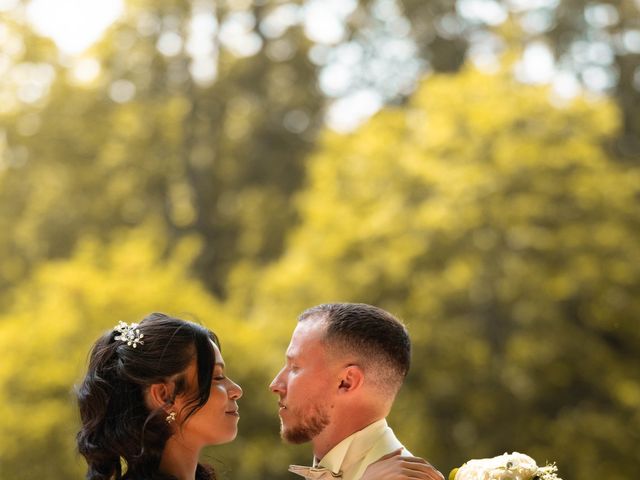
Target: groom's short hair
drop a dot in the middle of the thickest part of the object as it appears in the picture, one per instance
(378, 339)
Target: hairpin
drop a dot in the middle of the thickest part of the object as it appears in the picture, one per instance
(129, 333)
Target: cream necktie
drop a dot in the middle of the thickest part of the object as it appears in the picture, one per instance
(314, 473)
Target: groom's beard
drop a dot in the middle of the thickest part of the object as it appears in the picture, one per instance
(310, 424)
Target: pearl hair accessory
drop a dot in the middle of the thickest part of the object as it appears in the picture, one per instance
(171, 418)
(129, 333)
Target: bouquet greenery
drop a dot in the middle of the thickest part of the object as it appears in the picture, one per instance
(510, 466)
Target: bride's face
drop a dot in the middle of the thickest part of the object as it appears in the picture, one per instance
(217, 421)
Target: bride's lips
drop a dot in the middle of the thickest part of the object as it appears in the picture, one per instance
(233, 413)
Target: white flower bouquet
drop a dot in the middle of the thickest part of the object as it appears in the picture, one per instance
(510, 466)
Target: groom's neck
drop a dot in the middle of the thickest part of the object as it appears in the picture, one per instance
(343, 425)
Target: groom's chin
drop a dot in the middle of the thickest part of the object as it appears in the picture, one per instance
(295, 436)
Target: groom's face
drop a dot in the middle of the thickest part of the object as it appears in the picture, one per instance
(306, 384)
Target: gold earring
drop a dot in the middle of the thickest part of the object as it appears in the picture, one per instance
(171, 418)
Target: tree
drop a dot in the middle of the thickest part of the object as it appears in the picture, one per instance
(496, 225)
(144, 137)
(597, 42)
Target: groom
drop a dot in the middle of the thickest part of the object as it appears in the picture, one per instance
(344, 366)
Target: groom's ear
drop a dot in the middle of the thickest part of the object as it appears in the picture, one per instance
(351, 379)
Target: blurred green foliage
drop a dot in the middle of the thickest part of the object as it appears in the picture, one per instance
(207, 159)
(495, 224)
(499, 224)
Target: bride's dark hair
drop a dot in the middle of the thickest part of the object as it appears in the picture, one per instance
(118, 429)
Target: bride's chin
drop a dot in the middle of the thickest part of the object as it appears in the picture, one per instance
(228, 439)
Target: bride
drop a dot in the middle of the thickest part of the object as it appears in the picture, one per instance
(155, 394)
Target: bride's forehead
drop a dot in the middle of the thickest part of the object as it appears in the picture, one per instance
(218, 360)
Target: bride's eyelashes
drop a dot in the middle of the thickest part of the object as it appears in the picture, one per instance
(218, 374)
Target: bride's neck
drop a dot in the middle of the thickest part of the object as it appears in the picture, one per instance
(179, 460)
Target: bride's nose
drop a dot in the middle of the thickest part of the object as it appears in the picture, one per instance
(234, 391)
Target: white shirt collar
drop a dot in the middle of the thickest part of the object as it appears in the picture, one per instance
(353, 448)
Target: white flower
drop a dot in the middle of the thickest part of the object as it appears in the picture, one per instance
(510, 466)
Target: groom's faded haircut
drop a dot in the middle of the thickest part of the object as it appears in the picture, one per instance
(378, 339)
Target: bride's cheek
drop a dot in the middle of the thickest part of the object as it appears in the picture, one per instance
(219, 390)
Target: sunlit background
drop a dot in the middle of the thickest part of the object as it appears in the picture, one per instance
(470, 165)
(75, 25)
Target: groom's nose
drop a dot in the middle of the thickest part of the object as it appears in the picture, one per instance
(277, 384)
